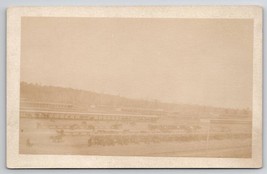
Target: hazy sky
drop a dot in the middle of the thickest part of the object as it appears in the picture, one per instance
(194, 61)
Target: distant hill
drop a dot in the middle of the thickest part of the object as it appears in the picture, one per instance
(35, 92)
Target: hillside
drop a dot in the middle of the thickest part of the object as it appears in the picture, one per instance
(35, 92)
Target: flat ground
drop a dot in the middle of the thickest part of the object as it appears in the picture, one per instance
(39, 137)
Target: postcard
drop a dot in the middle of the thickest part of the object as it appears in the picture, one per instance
(134, 87)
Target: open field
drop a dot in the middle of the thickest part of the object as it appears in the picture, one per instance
(39, 136)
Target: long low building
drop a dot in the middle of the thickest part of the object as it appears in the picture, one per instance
(85, 116)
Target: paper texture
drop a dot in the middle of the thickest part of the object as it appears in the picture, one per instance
(134, 87)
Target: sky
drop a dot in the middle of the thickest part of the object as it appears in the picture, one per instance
(189, 61)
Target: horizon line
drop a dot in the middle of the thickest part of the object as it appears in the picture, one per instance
(132, 98)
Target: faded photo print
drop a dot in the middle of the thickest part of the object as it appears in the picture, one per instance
(152, 87)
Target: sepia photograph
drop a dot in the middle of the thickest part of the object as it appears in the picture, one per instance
(139, 86)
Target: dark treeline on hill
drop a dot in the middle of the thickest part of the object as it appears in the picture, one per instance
(35, 92)
(40, 93)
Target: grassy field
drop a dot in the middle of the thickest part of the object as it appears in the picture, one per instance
(42, 136)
